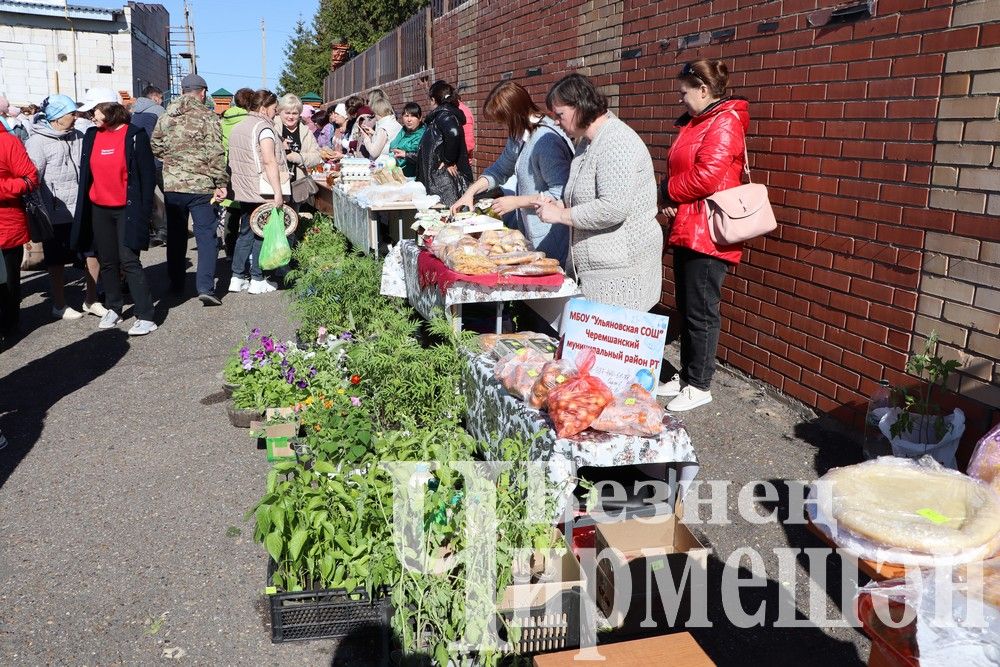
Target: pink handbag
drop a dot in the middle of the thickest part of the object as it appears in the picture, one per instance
(741, 213)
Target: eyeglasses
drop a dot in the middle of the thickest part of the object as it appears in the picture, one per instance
(688, 71)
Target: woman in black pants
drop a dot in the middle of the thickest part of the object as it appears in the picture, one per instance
(117, 177)
(17, 177)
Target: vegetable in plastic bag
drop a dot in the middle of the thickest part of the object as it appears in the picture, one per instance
(985, 461)
(574, 405)
(275, 251)
(635, 412)
(518, 371)
(554, 373)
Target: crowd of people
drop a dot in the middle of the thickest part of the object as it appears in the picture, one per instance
(580, 185)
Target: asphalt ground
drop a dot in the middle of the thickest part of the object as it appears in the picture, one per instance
(123, 490)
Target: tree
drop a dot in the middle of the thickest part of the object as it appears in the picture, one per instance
(306, 62)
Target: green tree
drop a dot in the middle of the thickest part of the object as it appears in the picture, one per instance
(361, 23)
(306, 62)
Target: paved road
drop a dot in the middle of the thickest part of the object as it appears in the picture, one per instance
(124, 486)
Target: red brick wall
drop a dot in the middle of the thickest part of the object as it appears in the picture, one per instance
(843, 132)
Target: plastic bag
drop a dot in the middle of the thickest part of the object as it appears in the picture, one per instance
(517, 372)
(985, 461)
(635, 412)
(275, 251)
(575, 404)
(554, 373)
(921, 437)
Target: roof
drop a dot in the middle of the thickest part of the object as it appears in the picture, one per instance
(62, 11)
(311, 97)
(222, 92)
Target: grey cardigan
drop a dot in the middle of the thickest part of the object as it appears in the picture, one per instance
(617, 244)
(56, 154)
(542, 166)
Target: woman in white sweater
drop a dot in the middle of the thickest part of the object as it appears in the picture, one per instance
(376, 140)
(609, 201)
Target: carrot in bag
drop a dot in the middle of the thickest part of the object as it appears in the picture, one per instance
(575, 404)
(635, 412)
(519, 370)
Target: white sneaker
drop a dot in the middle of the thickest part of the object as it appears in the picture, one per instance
(95, 309)
(671, 387)
(237, 284)
(66, 313)
(261, 287)
(110, 320)
(689, 398)
(141, 328)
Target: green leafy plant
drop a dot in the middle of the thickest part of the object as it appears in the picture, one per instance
(919, 415)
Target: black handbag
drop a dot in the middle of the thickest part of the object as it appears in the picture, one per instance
(39, 223)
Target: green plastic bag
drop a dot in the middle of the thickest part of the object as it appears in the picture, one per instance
(275, 251)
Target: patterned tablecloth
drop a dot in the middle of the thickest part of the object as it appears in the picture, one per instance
(493, 414)
(428, 299)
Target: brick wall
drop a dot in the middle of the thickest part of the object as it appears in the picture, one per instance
(885, 233)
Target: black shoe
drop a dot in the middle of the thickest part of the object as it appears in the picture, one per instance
(156, 242)
(209, 300)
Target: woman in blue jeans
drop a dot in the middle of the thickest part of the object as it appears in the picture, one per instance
(259, 175)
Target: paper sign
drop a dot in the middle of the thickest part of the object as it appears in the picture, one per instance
(628, 343)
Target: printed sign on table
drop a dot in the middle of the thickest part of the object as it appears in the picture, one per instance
(628, 344)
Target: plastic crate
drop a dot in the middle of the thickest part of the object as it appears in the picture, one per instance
(326, 614)
(542, 631)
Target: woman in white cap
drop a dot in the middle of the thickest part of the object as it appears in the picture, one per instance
(54, 146)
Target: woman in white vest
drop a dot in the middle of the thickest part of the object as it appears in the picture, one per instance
(376, 140)
(259, 174)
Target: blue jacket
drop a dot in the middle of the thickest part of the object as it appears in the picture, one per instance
(542, 167)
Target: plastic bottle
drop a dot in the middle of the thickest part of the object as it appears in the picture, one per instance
(875, 444)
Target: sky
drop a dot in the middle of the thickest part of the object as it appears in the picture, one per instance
(228, 40)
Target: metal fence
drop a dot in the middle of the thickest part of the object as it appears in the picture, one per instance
(402, 52)
(439, 7)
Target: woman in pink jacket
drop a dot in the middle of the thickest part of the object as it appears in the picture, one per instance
(706, 157)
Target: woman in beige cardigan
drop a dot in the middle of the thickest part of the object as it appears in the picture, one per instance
(609, 201)
(301, 148)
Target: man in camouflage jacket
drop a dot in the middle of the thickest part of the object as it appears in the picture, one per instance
(188, 139)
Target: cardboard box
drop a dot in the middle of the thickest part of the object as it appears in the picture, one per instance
(650, 553)
(277, 437)
(676, 650)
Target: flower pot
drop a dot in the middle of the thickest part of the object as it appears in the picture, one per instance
(228, 388)
(241, 417)
(921, 438)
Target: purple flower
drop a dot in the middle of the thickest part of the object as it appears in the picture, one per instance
(346, 336)
(247, 365)
(284, 363)
(244, 353)
(258, 355)
(268, 344)
(313, 372)
(254, 333)
(302, 384)
(281, 349)
(355, 401)
(290, 376)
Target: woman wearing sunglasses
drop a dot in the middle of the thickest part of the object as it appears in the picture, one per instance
(707, 156)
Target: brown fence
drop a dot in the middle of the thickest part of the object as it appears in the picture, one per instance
(402, 52)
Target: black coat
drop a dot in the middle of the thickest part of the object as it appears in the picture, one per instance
(444, 142)
(139, 191)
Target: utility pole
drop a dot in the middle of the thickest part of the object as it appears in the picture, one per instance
(189, 31)
(263, 55)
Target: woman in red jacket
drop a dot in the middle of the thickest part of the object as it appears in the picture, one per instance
(17, 177)
(706, 157)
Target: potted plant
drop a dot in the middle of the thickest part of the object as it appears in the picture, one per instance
(916, 425)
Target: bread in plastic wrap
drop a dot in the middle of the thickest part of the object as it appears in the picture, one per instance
(985, 461)
(634, 412)
(517, 372)
(895, 510)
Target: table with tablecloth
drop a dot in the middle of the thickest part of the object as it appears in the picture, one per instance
(428, 292)
(493, 414)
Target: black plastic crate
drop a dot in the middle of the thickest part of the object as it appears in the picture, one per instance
(327, 614)
(541, 631)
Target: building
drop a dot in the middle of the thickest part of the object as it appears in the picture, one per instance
(49, 46)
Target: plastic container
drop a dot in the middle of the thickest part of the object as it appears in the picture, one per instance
(326, 614)
(875, 444)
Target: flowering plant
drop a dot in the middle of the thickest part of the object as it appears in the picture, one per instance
(271, 373)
